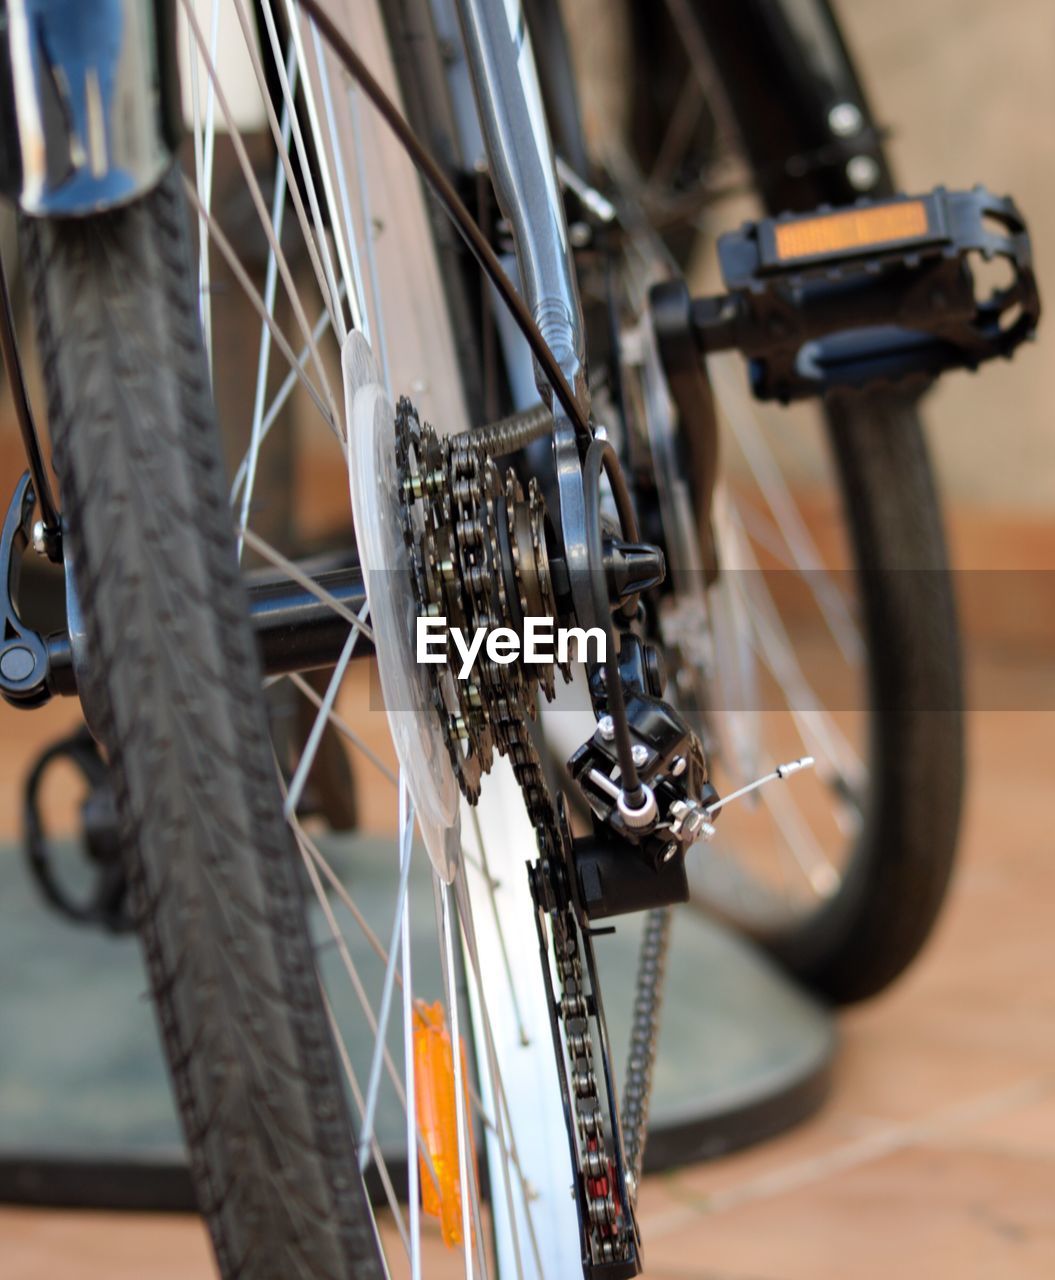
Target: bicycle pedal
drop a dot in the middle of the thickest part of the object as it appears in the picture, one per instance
(884, 292)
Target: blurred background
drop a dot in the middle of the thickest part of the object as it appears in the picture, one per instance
(934, 1155)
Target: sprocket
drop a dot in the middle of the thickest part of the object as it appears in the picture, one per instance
(478, 549)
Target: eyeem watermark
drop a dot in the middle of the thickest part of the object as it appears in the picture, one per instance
(541, 642)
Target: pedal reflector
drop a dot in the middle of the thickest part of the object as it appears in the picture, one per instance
(843, 232)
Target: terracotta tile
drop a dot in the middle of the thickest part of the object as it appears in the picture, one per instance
(1026, 1130)
(919, 1213)
(47, 1245)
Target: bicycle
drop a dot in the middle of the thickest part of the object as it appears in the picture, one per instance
(174, 610)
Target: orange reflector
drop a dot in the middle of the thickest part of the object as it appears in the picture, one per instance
(852, 229)
(441, 1197)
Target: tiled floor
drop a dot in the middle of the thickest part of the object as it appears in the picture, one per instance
(935, 1157)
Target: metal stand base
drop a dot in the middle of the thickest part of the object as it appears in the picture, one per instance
(86, 1116)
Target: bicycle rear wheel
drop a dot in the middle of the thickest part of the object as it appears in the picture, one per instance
(289, 1088)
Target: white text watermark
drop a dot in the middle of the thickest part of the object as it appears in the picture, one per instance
(541, 642)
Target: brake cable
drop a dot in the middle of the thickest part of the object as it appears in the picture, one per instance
(444, 191)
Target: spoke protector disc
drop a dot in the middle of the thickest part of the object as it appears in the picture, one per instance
(405, 683)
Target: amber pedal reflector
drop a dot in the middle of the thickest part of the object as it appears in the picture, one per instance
(834, 233)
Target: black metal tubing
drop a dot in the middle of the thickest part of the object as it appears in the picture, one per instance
(295, 630)
(782, 66)
(27, 426)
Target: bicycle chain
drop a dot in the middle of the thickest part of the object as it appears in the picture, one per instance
(451, 501)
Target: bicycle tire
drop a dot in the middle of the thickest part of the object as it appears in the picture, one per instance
(898, 872)
(175, 694)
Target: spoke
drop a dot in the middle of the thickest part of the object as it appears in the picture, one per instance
(204, 311)
(337, 885)
(356, 296)
(491, 883)
(295, 374)
(311, 747)
(341, 725)
(357, 1094)
(206, 184)
(323, 264)
(374, 1080)
(406, 820)
(257, 197)
(352, 971)
(341, 945)
(321, 158)
(799, 840)
(503, 1119)
(293, 571)
(329, 414)
(278, 209)
(764, 532)
(692, 39)
(819, 731)
(688, 107)
(367, 219)
(759, 457)
(836, 759)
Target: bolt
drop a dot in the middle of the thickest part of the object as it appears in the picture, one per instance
(669, 851)
(862, 172)
(639, 754)
(16, 664)
(579, 234)
(39, 540)
(606, 728)
(601, 433)
(677, 766)
(845, 119)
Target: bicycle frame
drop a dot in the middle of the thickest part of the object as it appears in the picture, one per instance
(513, 121)
(801, 114)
